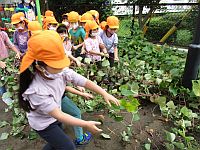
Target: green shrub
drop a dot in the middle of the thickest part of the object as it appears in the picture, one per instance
(183, 37)
(160, 25)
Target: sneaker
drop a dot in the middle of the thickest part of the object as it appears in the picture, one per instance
(86, 139)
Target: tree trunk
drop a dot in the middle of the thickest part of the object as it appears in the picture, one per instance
(140, 16)
(148, 16)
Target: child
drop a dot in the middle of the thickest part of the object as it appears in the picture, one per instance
(110, 38)
(77, 33)
(20, 36)
(63, 32)
(65, 21)
(50, 23)
(95, 15)
(41, 90)
(5, 41)
(94, 42)
(84, 18)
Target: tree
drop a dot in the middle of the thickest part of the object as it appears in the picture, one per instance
(151, 4)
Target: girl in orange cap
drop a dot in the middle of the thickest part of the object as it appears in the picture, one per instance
(94, 44)
(20, 36)
(110, 38)
(42, 87)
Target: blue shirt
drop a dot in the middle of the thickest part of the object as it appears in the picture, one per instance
(78, 36)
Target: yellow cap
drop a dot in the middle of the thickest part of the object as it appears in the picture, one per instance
(73, 16)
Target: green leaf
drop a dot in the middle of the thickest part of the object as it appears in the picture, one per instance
(136, 117)
(179, 145)
(147, 76)
(186, 112)
(32, 135)
(15, 88)
(170, 137)
(196, 87)
(160, 100)
(169, 146)
(158, 80)
(189, 138)
(105, 136)
(171, 105)
(147, 146)
(173, 91)
(126, 92)
(87, 60)
(3, 124)
(130, 106)
(6, 95)
(100, 73)
(118, 118)
(4, 136)
(105, 63)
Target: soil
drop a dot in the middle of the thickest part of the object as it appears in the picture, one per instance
(150, 126)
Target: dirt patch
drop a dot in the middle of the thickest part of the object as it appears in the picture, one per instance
(149, 126)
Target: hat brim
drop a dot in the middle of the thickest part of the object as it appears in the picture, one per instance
(15, 22)
(114, 27)
(59, 64)
(26, 62)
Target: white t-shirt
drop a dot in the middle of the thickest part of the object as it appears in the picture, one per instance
(109, 42)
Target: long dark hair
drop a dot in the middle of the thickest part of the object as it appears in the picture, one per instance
(25, 80)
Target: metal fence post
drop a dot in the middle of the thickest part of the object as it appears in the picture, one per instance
(193, 57)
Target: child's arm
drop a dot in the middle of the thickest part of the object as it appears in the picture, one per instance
(77, 46)
(97, 89)
(75, 59)
(10, 44)
(77, 92)
(116, 54)
(70, 120)
(2, 64)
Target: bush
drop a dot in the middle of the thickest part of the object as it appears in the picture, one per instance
(160, 25)
(183, 37)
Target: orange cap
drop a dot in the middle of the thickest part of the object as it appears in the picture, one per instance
(47, 47)
(85, 17)
(52, 20)
(90, 25)
(49, 13)
(94, 13)
(103, 25)
(17, 17)
(34, 27)
(49, 20)
(73, 16)
(113, 22)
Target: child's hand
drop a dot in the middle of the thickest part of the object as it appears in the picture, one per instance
(2, 64)
(18, 55)
(82, 89)
(75, 47)
(116, 58)
(87, 95)
(106, 55)
(78, 63)
(109, 98)
(101, 54)
(91, 126)
(83, 51)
